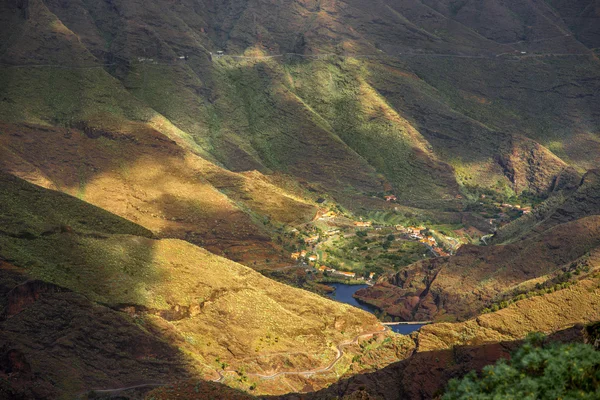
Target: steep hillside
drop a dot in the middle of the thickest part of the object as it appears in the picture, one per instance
(55, 343)
(558, 238)
(449, 350)
(446, 351)
(447, 94)
(217, 316)
(426, 374)
(461, 286)
(568, 204)
(136, 172)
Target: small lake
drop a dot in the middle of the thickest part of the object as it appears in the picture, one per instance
(343, 293)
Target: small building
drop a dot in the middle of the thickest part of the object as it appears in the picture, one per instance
(312, 239)
(363, 223)
(303, 253)
(371, 275)
(390, 197)
(295, 256)
(312, 258)
(347, 274)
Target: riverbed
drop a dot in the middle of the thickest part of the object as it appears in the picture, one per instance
(343, 293)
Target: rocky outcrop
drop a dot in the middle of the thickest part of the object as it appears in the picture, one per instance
(531, 167)
(26, 294)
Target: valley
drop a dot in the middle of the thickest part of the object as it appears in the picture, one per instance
(310, 199)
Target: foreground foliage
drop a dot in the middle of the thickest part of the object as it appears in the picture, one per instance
(570, 371)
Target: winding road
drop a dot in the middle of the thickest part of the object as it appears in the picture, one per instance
(339, 350)
(221, 374)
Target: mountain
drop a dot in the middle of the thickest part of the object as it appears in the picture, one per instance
(158, 157)
(170, 309)
(427, 92)
(447, 350)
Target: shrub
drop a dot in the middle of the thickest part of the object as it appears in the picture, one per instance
(535, 371)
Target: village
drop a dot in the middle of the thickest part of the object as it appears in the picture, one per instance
(342, 249)
(338, 246)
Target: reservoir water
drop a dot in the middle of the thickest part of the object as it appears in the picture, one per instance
(343, 293)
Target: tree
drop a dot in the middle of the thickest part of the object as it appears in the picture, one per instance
(535, 372)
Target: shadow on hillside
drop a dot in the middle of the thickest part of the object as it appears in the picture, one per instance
(56, 343)
(60, 260)
(425, 375)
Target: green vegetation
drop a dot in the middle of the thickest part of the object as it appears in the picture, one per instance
(537, 372)
(371, 251)
(566, 278)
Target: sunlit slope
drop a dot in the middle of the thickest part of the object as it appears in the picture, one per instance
(208, 306)
(548, 313)
(422, 97)
(447, 350)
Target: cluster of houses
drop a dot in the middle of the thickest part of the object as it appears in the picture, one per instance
(312, 239)
(313, 259)
(416, 233)
(351, 275)
(298, 255)
(315, 238)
